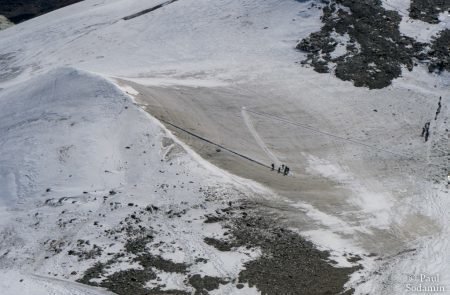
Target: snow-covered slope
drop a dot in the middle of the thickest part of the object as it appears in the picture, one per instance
(199, 38)
(84, 136)
(19, 283)
(363, 179)
(78, 159)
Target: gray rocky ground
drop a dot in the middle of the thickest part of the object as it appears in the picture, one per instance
(375, 51)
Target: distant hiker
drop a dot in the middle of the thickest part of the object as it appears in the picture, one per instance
(279, 169)
(286, 170)
(282, 167)
(438, 109)
(426, 131)
(273, 166)
(427, 134)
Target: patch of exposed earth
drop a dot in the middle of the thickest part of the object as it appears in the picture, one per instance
(440, 52)
(286, 264)
(289, 264)
(360, 41)
(4, 23)
(213, 239)
(428, 10)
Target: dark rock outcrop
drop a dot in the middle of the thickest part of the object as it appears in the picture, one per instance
(21, 10)
(375, 50)
(428, 10)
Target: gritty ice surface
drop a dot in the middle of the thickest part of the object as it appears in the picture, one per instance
(375, 204)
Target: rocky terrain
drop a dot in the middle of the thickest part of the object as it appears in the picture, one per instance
(360, 41)
(5, 23)
(21, 10)
(428, 10)
(287, 263)
(440, 52)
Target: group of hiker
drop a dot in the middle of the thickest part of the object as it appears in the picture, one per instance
(282, 169)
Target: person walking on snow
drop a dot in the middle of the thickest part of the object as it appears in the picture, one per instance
(286, 170)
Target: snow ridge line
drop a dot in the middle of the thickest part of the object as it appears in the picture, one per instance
(134, 15)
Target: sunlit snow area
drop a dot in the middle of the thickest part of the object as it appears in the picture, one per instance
(127, 137)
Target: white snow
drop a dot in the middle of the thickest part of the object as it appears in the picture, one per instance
(233, 290)
(372, 203)
(65, 128)
(341, 47)
(13, 282)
